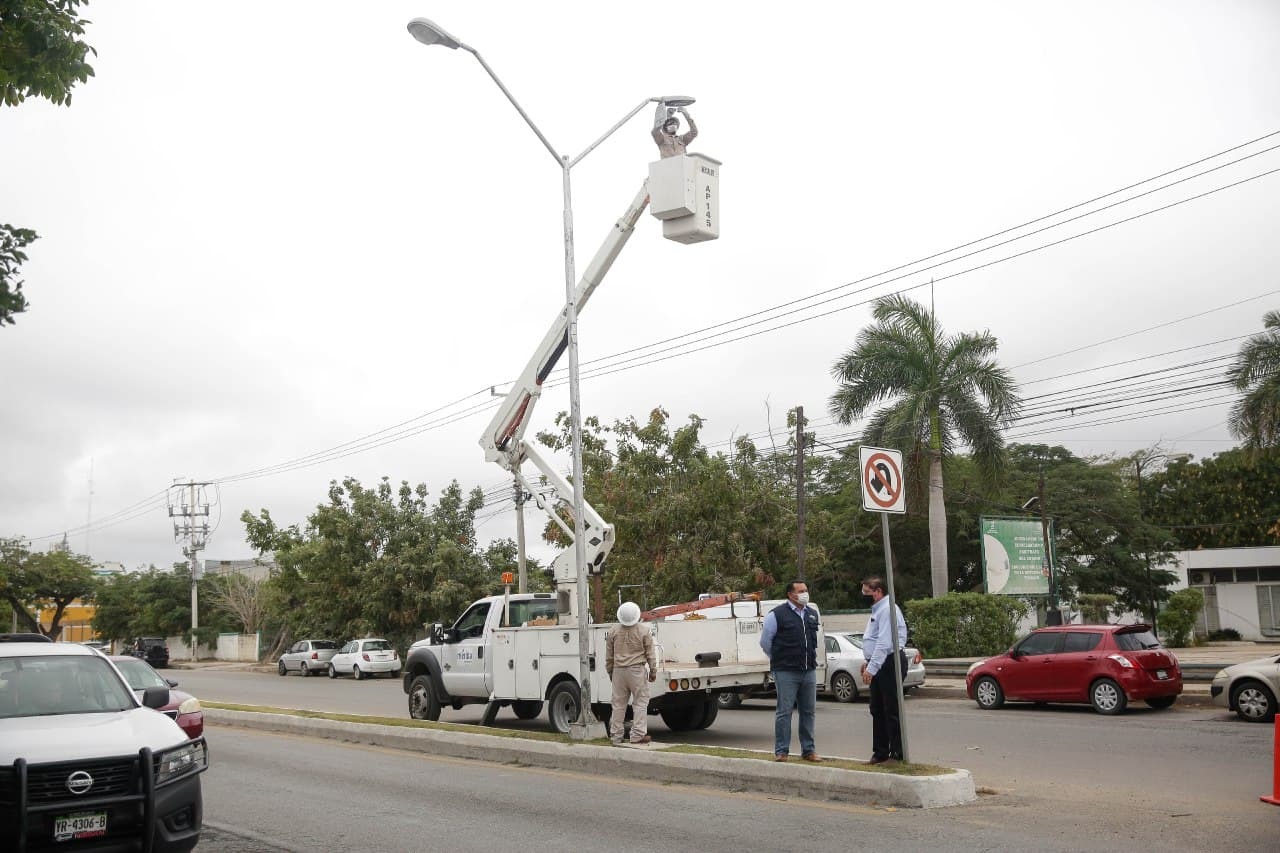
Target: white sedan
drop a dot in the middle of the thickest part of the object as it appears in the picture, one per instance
(844, 667)
(364, 659)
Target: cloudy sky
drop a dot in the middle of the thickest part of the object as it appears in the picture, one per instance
(286, 243)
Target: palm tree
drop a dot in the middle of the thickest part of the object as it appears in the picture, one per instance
(1255, 418)
(942, 391)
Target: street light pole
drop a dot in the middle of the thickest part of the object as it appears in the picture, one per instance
(430, 33)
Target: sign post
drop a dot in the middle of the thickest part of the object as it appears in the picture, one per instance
(883, 492)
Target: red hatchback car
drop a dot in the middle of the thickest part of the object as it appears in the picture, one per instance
(183, 708)
(1103, 665)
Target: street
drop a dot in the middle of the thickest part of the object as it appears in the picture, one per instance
(1189, 777)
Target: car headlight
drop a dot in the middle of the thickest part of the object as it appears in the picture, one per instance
(1221, 674)
(173, 764)
(975, 665)
(191, 706)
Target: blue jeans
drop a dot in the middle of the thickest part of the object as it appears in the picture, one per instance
(795, 690)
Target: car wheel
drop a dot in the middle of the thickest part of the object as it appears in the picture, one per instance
(987, 693)
(562, 706)
(1161, 702)
(395, 673)
(526, 710)
(423, 703)
(333, 673)
(729, 701)
(282, 669)
(843, 687)
(357, 672)
(304, 670)
(1254, 702)
(1107, 697)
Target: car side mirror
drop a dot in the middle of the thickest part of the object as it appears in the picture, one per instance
(171, 682)
(155, 697)
(1015, 654)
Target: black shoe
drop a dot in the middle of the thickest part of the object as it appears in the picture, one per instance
(878, 759)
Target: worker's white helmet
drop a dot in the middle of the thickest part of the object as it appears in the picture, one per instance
(629, 613)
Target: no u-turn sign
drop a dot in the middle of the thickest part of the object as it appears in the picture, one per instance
(882, 485)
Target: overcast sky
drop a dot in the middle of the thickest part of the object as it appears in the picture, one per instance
(268, 230)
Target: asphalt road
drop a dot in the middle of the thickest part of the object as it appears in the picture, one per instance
(1196, 772)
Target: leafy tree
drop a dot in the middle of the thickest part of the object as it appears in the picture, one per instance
(12, 242)
(43, 581)
(964, 624)
(1179, 617)
(240, 597)
(1227, 501)
(1095, 607)
(41, 54)
(372, 561)
(1255, 419)
(942, 390)
(157, 603)
(687, 521)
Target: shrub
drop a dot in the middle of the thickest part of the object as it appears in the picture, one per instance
(1179, 616)
(1096, 607)
(964, 624)
(1224, 634)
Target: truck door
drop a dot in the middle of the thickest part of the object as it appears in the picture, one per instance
(464, 655)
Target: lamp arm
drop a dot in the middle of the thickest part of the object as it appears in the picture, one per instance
(514, 102)
(638, 107)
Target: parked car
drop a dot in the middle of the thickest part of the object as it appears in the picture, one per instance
(84, 763)
(1106, 666)
(844, 667)
(365, 658)
(1250, 689)
(307, 656)
(182, 708)
(151, 649)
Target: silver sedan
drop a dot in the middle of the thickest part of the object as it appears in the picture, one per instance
(844, 667)
(1250, 689)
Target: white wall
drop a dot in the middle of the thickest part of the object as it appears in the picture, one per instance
(238, 647)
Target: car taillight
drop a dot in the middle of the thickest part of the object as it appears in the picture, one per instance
(1122, 660)
(919, 657)
(315, 656)
(365, 655)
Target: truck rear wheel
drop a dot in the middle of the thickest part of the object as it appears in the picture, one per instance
(710, 710)
(683, 718)
(562, 706)
(423, 702)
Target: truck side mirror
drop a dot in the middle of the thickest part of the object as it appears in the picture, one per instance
(155, 697)
(437, 634)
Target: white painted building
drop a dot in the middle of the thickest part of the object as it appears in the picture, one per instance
(1241, 588)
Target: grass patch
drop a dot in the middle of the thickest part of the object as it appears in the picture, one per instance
(896, 769)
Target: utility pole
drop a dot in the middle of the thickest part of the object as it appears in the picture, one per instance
(800, 493)
(523, 575)
(194, 533)
(1053, 616)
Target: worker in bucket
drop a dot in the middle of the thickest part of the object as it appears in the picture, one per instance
(628, 650)
(665, 127)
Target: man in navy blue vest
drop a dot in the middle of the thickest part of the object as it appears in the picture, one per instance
(790, 639)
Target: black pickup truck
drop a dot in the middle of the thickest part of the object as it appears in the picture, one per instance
(152, 650)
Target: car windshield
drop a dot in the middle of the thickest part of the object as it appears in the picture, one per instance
(1136, 641)
(140, 675)
(60, 684)
(377, 646)
(323, 644)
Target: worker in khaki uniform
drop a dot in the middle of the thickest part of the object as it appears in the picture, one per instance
(628, 649)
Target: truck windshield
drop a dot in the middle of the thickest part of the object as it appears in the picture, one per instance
(57, 684)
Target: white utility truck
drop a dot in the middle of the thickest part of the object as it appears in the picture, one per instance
(522, 650)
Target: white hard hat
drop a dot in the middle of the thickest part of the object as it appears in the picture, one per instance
(629, 613)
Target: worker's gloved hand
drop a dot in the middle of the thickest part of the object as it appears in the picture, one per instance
(653, 676)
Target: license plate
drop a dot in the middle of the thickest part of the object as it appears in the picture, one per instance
(76, 826)
(1162, 674)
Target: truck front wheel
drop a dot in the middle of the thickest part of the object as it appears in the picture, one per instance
(562, 706)
(423, 702)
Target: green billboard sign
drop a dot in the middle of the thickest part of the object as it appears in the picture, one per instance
(1013, 560)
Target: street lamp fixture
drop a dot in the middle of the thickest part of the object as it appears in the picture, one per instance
(430, 33)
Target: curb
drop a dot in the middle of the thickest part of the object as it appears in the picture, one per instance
(790, 780)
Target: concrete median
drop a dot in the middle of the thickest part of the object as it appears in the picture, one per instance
(793, 779)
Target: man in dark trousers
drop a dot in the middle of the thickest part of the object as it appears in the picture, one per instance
(790, 639)
(878, 671)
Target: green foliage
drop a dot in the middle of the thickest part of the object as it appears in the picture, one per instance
(12, 241)
(41, 54)
(1255, 418)
(1095, 607)
(380, 561)
(43, 581)
(1179, 616)
(1223, 634)
(940, 391)
(964, 624)
(1229, 500)
(157, 603)
(689, 521)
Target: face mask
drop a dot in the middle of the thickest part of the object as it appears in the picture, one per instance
(802, 598)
